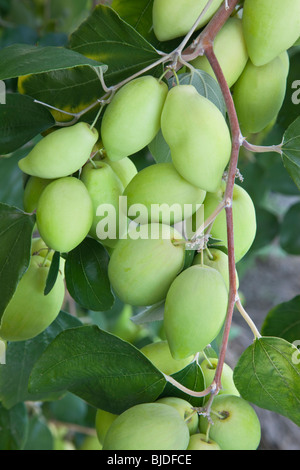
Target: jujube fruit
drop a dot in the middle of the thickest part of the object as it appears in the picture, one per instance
(244, 219)
(125, 169)
(185, 409)
(61, 152)
(148, 426)
(103, 421)
(64, 214)
(175, 19)
(195, 310)
(32, 192)
(132, 119)
(218, 260)
(161, 185)
(159, 354)
(208, 367)
(270, 27)
(230, 50)
(141, 270)
(199, 441)
(198, 136)
(30, 311)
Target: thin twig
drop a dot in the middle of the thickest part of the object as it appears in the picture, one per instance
(247, 318)
(262, 148)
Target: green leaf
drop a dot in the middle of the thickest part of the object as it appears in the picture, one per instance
(268, 375)
(192, 378)
(39, 436)
(150, 314)
(291, 151)
(20, 359)
(267, 228)
(289, 232)
(100, 368)
(13, 427)
(137, 14)
(53, 272)
(15, 241)
(207, 87)
(24, 59)
(105, 37)
(87, 277)
(21, 119)
(283, 321)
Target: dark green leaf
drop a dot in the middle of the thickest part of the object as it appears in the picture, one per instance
(137, 14)
(100, 368)
(284, 321)
(24, 59)
(15, 241)
(39, 436)
(13, 427)
(86, 276)
(268, 375)
(21, 119)
(20, 359)
(192, 378)
(105, 37)
(291, 151)
(290, 227)
(53, 272)
(267, 228)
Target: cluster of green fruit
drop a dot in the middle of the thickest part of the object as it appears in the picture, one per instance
(172, 423)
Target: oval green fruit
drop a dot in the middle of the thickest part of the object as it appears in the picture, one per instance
(125, 169)
(195, 310)
(32, 192)
(199, 441)
(64, 214)
(230, 50)
(105, 189)
(218, 260)
(164, 193)
(270, 27)
(148, 426)
(235, 424)
(185, 409)
(29, 311)
(259, 93)
(244, 219)
(61, 152)
(208, 367)
(141, 270)
(159, 354)
(188, 123)
(103, 421)
(132, 119)
(175, 19)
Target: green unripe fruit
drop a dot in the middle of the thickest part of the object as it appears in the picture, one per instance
(235, 424)
(89, 443)
(148, 426)
(200, 442)
(60, 153)
(32, 192)
(29, 311)
(230, 50)
(39, 247)
(209, 369)
(218, 260)
(185, 410)
(244, 219)
(141, 270)
(104, 187)
(132, 119)
(164, 193)
(195, 310)
(159, 354)
(175, 19)
(270, 27)
(125, 169)
(103, 421)
(125, 328)
(64, 214)
(259, 93)
(197, 135)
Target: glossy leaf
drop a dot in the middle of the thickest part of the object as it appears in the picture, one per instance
(138, 15)
(291, 151)
(283, 321)
(24, 59)
(289, 233)
(86, 276)
(15, 241)
(13, 427)
(21, 119)
(14, 375)
(100, 368)
(268, 375)
(53, 272)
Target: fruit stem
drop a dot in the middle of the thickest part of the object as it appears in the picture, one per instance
(262, 148)
(97, 116)
(184, 389)
(209, 220)
(247, 318)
